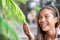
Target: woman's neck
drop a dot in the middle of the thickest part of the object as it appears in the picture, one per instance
(50, 35)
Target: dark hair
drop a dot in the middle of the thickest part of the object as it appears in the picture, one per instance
(58, 7)
(40, 33)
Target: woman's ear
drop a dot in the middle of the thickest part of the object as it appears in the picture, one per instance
(56, 19)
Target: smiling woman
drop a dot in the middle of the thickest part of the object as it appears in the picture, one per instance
(47, 21)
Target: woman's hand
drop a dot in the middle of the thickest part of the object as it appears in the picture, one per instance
(27, 31)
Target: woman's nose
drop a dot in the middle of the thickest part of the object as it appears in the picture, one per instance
(43, 19)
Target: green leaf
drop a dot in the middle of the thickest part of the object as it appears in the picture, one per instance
(6, 29)
(12, 10)
(4, 3)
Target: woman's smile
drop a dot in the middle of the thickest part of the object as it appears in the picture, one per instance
(44, 25)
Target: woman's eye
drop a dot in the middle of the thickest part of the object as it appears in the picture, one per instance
(46, 16)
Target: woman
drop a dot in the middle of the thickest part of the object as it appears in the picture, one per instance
(47, 21)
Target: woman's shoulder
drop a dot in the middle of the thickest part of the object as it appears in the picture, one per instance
(58, 30)
(58, 33)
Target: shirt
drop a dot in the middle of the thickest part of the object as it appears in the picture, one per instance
(57, 34)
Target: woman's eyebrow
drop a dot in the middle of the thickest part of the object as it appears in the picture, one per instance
(46, 14)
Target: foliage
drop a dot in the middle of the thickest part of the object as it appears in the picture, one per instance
(13, 11)
(21, 1)
(37, 8)
(10, 10)
(5, 29)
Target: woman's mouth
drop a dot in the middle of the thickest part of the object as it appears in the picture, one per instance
(44, 25)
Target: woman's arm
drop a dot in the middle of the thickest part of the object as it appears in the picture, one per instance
(27, 31)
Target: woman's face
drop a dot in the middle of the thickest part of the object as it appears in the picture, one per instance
(47, 20)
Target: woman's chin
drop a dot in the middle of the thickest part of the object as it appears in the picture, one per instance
(45, 29)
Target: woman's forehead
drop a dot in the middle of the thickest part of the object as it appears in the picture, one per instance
(45, 12)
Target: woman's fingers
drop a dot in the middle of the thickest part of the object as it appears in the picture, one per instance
(26, 29)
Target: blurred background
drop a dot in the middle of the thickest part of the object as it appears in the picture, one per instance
(30, 9)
